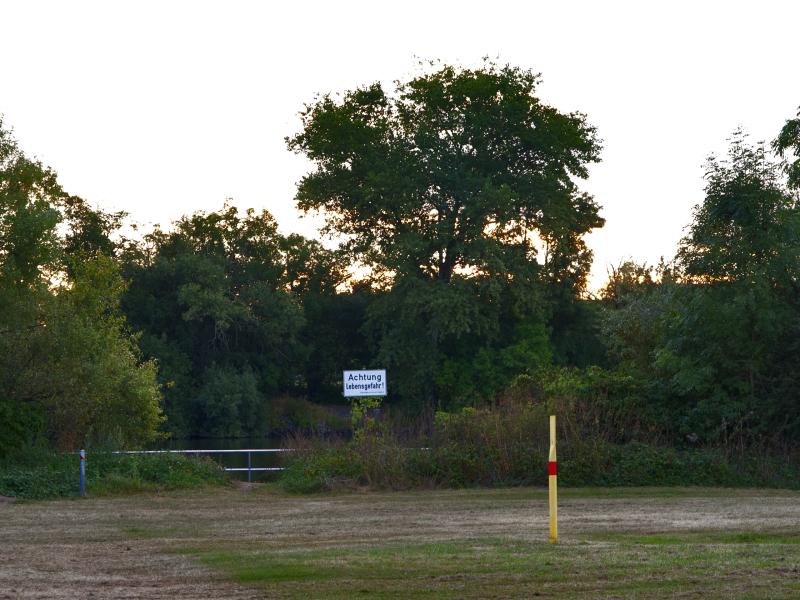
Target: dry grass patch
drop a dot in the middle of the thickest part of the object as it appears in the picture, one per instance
(233, 543)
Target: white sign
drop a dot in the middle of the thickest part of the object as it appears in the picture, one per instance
(365, 383)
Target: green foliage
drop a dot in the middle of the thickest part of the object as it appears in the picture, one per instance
(69, 368)
(214, 301)
(627, 280)
(576, 333)
(361, 409)
(29, 194)
(79, 368)
(90, 230)
(37, 474)
(608, 434)
(23, 424)
(450, 172)
(788, 140)
(713, 339)
(748, 225)
(505, 445)
(230, 402)
(509, 446)
(640, 464)
(112, 473)
(317, 466)
(470, 380)
(633, 324)
(334, 338)
(458, 192)
(470, 337)
(487, 447)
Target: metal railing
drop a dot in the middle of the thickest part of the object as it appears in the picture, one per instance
(249, 451)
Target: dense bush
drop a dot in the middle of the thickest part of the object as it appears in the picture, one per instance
(508, 446)
(41, 474)
(22, 424)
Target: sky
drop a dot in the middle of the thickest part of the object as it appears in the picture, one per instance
(164, 108)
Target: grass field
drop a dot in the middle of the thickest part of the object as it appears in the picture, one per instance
(235, 543)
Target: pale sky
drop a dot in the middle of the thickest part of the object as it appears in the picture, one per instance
(163, 108)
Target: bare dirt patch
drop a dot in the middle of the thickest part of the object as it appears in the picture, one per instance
(136, 547)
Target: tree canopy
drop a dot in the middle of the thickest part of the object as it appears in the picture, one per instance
(458, 190)
(459, 171)
(462, 269)
(715, 335)
(748, 224)
(70, 371)
(788, 142)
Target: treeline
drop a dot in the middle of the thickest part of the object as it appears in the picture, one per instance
(712, 339)
(70, 368)
(461, 269)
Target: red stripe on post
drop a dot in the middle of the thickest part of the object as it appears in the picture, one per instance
(552, 468)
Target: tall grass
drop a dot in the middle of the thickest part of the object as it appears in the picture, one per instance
(37, 474)
(507, 445)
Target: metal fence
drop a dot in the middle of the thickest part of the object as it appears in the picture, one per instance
(249, 451)
(249, 468)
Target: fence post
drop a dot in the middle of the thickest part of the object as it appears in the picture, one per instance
(83, 473)
(249, 467)
(552, 477)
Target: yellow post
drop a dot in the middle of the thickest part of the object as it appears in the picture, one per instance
(552, 478)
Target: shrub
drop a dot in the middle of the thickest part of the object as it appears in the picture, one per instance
(509, 446)
(22, 424)
(315, 465)
(41, 474)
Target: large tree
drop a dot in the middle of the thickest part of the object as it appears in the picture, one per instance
(69, 367)
(222, 300)
(460, 170)
(458, 191)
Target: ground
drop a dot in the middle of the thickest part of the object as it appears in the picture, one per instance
(259, 543)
